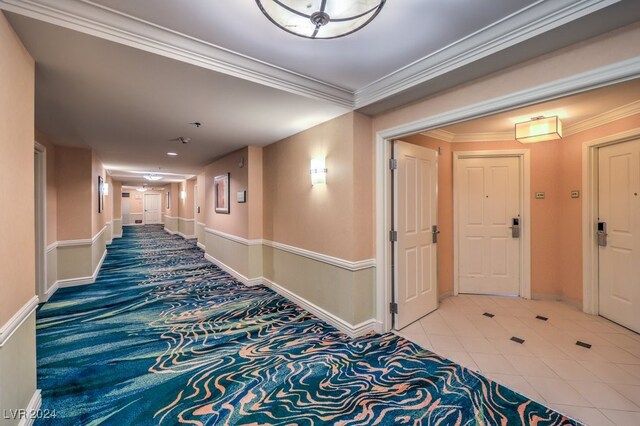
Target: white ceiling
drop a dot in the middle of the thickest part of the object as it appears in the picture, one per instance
(122, 77)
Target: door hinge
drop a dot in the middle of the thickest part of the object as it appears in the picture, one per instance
(393, 308)
(393, 164)
(393, 236)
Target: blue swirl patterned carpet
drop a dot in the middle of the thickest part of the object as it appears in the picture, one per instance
(164, 337)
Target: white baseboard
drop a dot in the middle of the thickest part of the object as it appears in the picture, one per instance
(350, 330)
(186, 237)
(170, 231)
(249, 282)
(72, 282)
(202, 246)
(54, 287)
(117, 235)
(14, 323)
(32, 409)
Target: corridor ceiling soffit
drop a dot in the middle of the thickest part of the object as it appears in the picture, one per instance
(517, 21)
(578, 113)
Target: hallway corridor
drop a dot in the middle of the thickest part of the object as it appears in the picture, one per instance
(164, 336)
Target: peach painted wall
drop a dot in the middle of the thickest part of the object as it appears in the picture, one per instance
(135, 201)
(98, 220)
(255, 191)
(108, 200)
(75, 193)
(117, 200)
(52, 189)
(17, 259)
(185, 206)
(237, 221)
(334, 219)
(363, 199)
(174, 200)
(200, 180)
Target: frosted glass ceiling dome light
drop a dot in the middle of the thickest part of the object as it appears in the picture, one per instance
(152, 176)
(320, 18)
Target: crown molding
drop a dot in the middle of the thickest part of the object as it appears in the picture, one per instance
(604, 118)
(525, 24)
(589, 123)
(100, 21)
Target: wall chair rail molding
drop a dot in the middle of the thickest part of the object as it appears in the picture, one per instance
(7, 329)
(330, 260)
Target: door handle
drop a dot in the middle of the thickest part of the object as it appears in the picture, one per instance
(434, 234)
(602, 234)
(515, 227)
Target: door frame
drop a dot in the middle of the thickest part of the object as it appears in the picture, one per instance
(524, 158)
(144, 208)
(40, 208)
(618, 72)
(590, 259)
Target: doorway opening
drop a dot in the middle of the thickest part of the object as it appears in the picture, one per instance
(557, 271)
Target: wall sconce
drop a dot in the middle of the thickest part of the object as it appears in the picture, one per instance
(539, 129)
(318, 171)
(183, 195)
(105, 189)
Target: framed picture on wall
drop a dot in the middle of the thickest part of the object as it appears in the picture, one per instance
(100, 195)
(221, 186)
(168, 199)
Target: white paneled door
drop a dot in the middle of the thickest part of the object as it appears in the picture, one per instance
(152, 204)
(415, 215)
(619, 219)
(488, 206)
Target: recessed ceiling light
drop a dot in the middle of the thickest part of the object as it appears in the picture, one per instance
(173, 154)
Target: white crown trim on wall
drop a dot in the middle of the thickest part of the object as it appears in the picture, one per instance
(581, 126)
(109, 24)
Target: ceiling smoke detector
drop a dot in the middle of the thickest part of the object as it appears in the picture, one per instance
(181, 139)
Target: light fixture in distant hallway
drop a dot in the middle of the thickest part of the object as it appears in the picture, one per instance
(539, 129)
(320, 18)
(141, 188)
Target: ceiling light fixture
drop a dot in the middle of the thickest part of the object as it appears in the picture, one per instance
(141, 189)
(320, 18)
(172, 154)
(539, 129)
(152, 176)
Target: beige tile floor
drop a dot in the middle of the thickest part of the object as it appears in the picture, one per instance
(598, 386)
